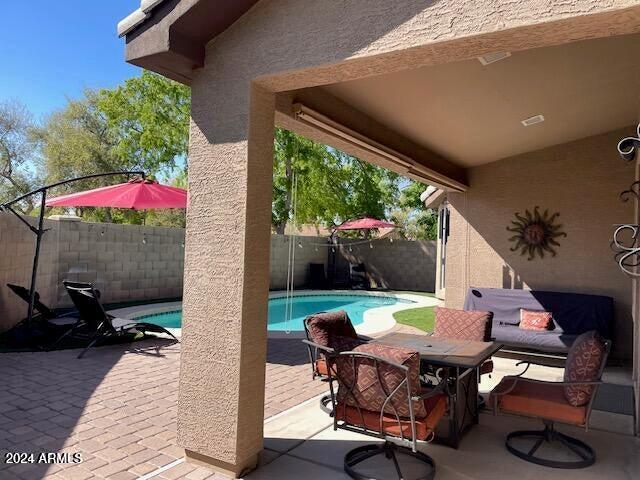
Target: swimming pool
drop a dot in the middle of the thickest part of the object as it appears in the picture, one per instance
(303, 306)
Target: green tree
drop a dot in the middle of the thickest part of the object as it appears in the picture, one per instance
(141, 125)
(148, 118)
(416, 221)
(16, 151)
(331, 186)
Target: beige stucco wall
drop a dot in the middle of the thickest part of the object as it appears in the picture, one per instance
(283, 45)
(582, 181)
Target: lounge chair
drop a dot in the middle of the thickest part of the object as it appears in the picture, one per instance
(23, 293)
(95, 322)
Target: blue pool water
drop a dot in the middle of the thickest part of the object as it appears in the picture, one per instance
(355, 306)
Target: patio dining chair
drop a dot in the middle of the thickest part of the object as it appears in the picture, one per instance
(569, 402)
(332, 330)
(465, 325)
(379, 394)
(95, 323)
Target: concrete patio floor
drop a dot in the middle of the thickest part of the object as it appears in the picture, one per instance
(117, 407)
(303, 440)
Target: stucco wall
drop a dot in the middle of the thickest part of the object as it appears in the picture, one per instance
(397, 265)
(582, 181)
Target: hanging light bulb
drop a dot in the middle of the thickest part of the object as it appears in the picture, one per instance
(333, 249)
(390, 239)
(316, 248)
(182, 244)
(350, 248)
(299, 244)
(370, 244)
(102, 233)
(144, 238)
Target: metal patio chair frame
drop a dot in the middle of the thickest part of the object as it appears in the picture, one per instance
(392, 444)
(549, 434)
(100, 324)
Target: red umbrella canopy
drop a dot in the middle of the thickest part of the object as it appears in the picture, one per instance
(365, 224)
(137, 194)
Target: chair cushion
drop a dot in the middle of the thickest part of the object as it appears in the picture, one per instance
(462, 324)
(435, 407)
(535, 320)
(583, 364)
(537, 400)
(364, 383)
(324, 327)
(547, 341)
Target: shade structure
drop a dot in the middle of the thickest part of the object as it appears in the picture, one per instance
(365, 224)
(137, 194)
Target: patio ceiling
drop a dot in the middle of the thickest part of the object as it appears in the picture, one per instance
(471, 114)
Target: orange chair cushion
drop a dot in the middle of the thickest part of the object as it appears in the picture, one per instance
(321, 368)
(435, 406)
(537, 400)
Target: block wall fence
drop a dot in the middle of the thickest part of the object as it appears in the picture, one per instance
(136, 262)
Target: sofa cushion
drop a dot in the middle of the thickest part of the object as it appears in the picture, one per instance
(536, 400)
(583, 364)
(547, 341)
(535, 320)
(324, 327)
(573, 313)
(462, 324)
(435, 407)
(363, 383)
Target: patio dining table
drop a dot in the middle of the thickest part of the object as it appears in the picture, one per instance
(462, 359)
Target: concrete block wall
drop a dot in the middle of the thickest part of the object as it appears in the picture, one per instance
(307, 250)
(134, 262)
(397, 265)
(126, 262)
(17, 245)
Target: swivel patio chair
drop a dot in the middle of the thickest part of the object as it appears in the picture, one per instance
(379, 394)
(569, 402)
(95, 323)
(332, 330)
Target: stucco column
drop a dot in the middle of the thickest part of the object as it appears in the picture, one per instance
(221, 399)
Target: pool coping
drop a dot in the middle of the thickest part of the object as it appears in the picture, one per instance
(375, 320)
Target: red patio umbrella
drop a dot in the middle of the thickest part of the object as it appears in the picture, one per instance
(365, 224)
(137, 194)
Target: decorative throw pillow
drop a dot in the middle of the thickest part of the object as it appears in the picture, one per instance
(583, 365)
(462, 324)
(535, 320)
(366, 384)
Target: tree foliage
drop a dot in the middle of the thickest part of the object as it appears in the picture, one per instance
(148, 117)
(330, 185)
(140, 125)
(16, 151)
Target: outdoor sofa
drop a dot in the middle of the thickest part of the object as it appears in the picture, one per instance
(572, 315)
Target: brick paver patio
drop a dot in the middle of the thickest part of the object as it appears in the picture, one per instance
(117, 407)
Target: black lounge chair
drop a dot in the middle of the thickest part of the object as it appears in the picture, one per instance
(45, 312)
(95, 322)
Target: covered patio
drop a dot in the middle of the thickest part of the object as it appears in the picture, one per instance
(506, 106)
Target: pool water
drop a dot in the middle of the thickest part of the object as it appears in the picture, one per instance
(302, 306)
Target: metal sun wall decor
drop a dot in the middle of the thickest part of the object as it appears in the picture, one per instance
(535, 233)
(626, 241)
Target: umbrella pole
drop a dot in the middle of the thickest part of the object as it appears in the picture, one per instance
(36, 257)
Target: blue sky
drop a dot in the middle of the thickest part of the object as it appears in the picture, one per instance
(52, 50)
